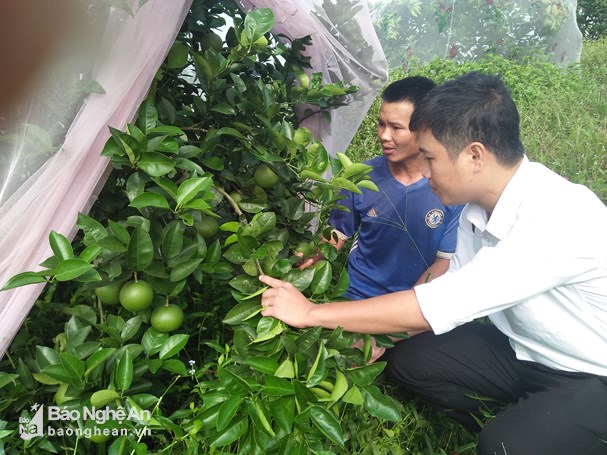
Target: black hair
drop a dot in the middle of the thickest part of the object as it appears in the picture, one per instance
(411, 89)
(474, 107)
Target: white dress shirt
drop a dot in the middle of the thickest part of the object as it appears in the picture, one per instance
(537, 266)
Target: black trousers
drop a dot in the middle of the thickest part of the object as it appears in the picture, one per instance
(472, 372)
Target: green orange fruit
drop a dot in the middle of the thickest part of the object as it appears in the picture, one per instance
(208, 226)
(211, 40)
(167, 318)
(136, 295)
(109, 294)
(265, 177)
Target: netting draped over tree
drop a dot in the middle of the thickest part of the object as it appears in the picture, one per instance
(468, 29)
(51, 164)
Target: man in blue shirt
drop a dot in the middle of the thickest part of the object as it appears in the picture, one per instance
(403, 234)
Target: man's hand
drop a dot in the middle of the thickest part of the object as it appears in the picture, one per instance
(284, 301)
(376, 351)
(305, 263)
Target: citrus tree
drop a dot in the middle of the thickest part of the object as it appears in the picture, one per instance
(154, 308)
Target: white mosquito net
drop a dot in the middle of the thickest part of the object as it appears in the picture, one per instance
(51, 166)
(50, 163)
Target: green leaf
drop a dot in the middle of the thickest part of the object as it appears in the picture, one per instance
(307, 339)
(190, 188)
(258, 22)
(327, 424)
(173, 345)
(175, 366)
(285, 370)
(165, 129)
(306, 174)
(340, 387)
(260, 224)
(261, 417)
(277, 386)
(282, 410)
(241, 312)
(342, 285)
(103, 397)
(301, 279)
(172, 239)
(46, 356)
(130, 328)
(215, 163)
(93, 229)
(346, 184)
(380, 405)
(124, 371)
(148, 116)
(97, 359)
(318, 370)
(153, 340)
(235, 430)
(6, 378)
(23, 279)
(233, 382)
(167, 185)
(229, 132)
(150, 200)
(353, 396)
(189, 151)
(246, 284)
(90, 253)
(266, 365)
(268, 328)
(357, 168)
(368, 184)
(155, 164)
(364, 376)
(184, 269)
(71, 268)
(140, 252)
(322, 278)
(227, 411)
(223, 108)
(61, 246)
(40, 377)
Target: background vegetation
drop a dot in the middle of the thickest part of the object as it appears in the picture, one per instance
(227, 380)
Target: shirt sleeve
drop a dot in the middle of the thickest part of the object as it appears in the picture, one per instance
(448, 242)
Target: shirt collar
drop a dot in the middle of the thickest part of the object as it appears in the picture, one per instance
(502, 219)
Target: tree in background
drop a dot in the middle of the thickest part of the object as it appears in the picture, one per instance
(465, 31)
(592, 18)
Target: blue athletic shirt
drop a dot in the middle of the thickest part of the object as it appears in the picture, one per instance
(399, 230)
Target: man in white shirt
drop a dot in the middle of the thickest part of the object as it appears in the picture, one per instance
(531, 255)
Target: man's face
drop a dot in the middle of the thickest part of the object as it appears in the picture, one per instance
(397, 141)
(449, 179)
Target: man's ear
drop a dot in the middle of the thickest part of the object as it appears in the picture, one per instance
(477, 154)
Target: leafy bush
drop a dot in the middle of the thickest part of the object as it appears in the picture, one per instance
(225, 379)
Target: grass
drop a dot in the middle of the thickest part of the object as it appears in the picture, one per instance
(564, 126)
